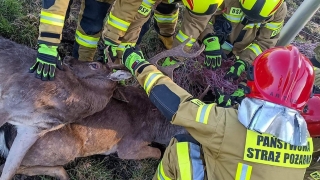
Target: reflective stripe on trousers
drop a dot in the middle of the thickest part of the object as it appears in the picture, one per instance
(52, 19)
(255, 48)
(118, 23)
(161, 18)
(85, 40)
(182, 37)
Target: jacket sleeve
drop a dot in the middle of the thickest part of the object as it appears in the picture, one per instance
(192, 25)
(267, 36)
(205, 122)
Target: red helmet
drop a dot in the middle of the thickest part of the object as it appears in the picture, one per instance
(311, 114)
(282, 75)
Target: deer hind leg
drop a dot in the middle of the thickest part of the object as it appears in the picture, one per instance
(137, 150)
(55, 171)
(26, 137)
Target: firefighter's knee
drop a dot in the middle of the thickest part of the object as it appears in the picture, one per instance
(46, 4)
(167, 8)
(93, 15)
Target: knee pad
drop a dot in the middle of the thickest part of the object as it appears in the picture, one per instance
(93, 15)
(167, 8)
(46, 4)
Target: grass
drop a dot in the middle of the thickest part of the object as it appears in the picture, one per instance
(101, 167)
(19, 22)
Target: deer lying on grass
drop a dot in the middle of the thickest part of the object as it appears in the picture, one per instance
(36, 107)
(125, 128)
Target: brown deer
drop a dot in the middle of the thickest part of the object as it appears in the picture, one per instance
(125, 128)
(36, 107)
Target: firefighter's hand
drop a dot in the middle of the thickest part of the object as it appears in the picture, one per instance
(46, 63)
(212, 52)
(238, 95)
(222, 100)
(109, 51)
(235, 71)
(132, 56)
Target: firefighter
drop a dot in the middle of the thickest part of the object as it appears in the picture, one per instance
(52, 20)
(195, 18)
(125, 20)
(89, 28)
(256, 25)
(123, 26)
(267, 138)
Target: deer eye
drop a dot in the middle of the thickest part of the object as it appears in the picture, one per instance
(94, 66)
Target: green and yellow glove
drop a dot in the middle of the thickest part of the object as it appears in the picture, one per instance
(132, 57)
(237, 96)
(47, 62)
(235, 71)
(222, 100)
(212, 52)
(110, 50)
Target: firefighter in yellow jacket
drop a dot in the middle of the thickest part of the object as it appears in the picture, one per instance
(266, 138)
(127, 17)
(256, 25)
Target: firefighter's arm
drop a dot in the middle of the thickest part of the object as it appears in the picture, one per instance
(209, 26)
(196, 19)
(192, 25)
(267, 36)
(205, 122)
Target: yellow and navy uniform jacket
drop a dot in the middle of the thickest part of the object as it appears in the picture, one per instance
(227, 149)
(248, 40)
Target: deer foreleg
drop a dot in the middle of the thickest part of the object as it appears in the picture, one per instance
(26, 137)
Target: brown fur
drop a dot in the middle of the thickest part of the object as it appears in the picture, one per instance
(77, 92)
(126, 128)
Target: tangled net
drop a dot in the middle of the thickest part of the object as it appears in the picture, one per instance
(194, 77)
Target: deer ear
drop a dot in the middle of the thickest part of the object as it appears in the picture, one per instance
(94, 65)
(119, 75)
